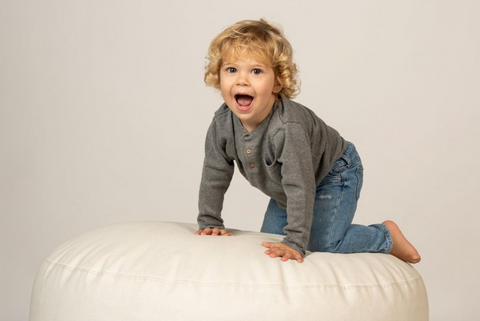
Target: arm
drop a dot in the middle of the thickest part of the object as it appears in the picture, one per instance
(298, 180)
(216, 176)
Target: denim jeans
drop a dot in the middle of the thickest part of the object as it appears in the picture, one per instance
(335, 204)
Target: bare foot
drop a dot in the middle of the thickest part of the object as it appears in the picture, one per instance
(401, 247)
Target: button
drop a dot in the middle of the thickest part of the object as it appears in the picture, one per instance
(252, 165)
(249, 151)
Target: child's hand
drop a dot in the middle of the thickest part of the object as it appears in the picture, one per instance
(215, 231)
(280, 249)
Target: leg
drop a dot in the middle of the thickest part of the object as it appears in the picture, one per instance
(335, 206)
(275, 219)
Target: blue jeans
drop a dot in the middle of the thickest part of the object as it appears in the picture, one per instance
(335, 204)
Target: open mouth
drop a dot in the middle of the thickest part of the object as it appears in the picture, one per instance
(243, 101)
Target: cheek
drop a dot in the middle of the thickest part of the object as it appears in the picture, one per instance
(225, 92)
(223, 86)
(266, 88)
(225, 83)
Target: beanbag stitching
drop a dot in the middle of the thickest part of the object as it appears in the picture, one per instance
(231, 284)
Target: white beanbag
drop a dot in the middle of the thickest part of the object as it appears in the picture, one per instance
(162, 271)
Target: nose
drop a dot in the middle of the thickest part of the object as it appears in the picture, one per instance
(242, 79)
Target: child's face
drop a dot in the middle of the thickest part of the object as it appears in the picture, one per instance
(249, 89)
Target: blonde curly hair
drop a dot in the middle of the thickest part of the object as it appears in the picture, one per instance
(261, 40)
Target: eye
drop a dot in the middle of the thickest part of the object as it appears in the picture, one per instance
(256, 71)
(231, 69)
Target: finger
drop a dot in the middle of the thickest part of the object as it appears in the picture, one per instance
(287, 256)
(198, 232)
(276, 252)
(207, 231)
(278, 249)
(225, 233)
(268, 244)
(215, 231)
(273, 254)
(298, 257)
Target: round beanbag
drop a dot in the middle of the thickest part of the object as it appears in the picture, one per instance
(162, 271)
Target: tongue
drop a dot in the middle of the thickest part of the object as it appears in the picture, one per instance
(244, 100)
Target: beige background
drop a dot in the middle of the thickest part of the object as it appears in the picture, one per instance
(103, 114)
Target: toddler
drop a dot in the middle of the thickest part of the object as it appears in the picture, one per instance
(312, 174)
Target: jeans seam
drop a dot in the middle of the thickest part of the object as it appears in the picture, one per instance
(358, 187)
(335, 212)
(388, 238)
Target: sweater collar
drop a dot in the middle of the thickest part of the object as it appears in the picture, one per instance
(261, 127)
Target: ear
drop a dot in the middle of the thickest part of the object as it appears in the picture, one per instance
(277, 89)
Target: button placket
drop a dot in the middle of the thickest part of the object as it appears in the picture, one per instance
(249, 153)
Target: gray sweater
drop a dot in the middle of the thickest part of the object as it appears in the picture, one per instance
(285, 156)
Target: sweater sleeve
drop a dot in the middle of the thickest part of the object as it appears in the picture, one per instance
(298, 181)
(217, 174)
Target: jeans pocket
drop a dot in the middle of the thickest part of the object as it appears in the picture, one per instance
(334, 176)
(339, 166)
(331, 179)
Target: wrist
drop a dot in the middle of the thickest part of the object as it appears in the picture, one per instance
(294, 247)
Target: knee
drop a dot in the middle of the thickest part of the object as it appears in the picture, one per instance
(331, 248)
